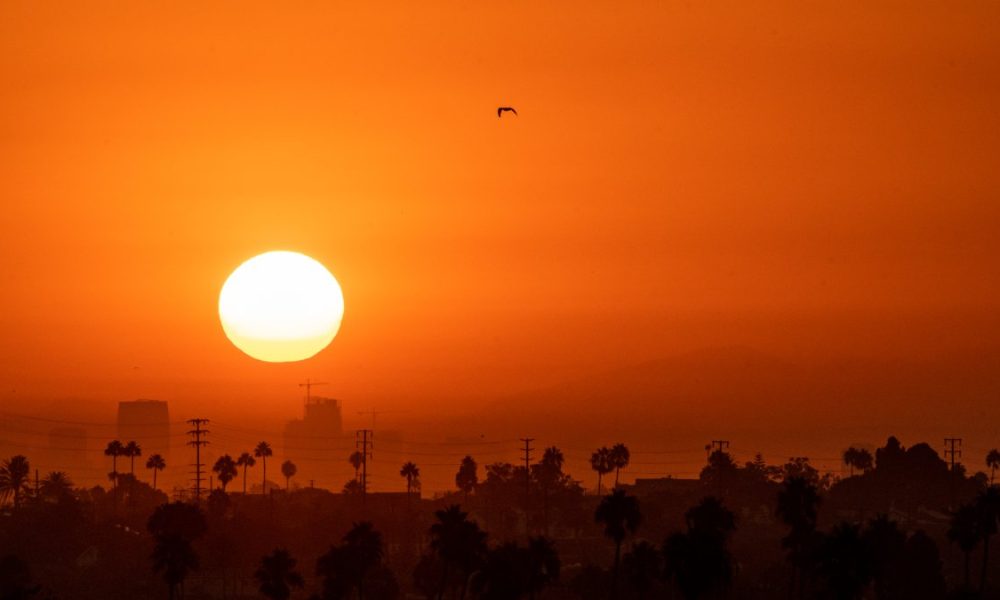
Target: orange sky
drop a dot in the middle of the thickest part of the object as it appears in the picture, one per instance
(807, 180)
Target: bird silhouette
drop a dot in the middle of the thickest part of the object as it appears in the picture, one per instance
(502, 109)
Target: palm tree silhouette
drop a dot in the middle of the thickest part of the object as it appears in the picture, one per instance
(642, 566)
(964, 531)
(262, 451)
(114, 449)
(225, 470)
(411, 472)
(277, 575)
(858, 458)
(14, 478)
(132, 450)
(364, 544)
(850, 457)
(56, 485)
(156, 463)
(988, 506)
(175, 526)
(288, 469)
(993, 462)
(467, 478)
(543, 564)
(845, 561)
(798, 507)
(600, 461)
(458, 542)
(246, 460)
(619, 459)
(175, 557)
(697, 559)
(619, 513)
(345, 567)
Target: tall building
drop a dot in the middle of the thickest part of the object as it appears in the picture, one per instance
(316, 444)
(146, 422)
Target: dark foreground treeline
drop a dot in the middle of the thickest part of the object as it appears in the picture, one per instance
(903, 526)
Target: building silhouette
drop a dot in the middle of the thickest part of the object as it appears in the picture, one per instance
(147, 422)
(317, 445)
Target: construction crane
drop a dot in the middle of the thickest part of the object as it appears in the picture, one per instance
(308, 385)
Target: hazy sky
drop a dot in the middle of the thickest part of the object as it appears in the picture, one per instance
(808, 180)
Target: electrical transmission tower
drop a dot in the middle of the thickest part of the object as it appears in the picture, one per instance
(198, 433)
(364, 440)
(951, 451)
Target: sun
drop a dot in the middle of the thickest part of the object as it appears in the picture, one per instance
(281, 307)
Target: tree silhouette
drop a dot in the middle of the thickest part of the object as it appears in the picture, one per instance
(246, 460)
(288, 469)
(642, 566)
(467, 477)
(56, 485)
(698, 560)
(620, 515)
(458, 542)
(988, 506)
(14, 478)
(132, 450)
(356, 459)
(919, 574)
(600, 461)
(548, 474)
(885, 544)
(798, 507)
(510, 572)
(175, 527)
(964, 530)
(858, 458)
(543, 564)
(156, 463)
(15, 579)
(347, 566)
(845, 561)
(364, 545)
(411, 472)
(225, 470)
(619, 457)
(277, 575)
(262, 451)
(114, 449)
(993, 462)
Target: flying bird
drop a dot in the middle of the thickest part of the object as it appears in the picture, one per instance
(502, 109)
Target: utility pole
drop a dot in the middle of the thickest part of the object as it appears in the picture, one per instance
(308, 385)
(197, 433)
(527, 477)
(718, 446)
(364, 440)
(950, 450)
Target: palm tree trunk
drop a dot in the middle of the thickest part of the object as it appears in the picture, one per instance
(614, 577)
(986, 558)
(599, 483)
(263, 484)
(131, 467)
(444, 581)
(245, 480)
(617, 471)
(154, 477)
(288, 482)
